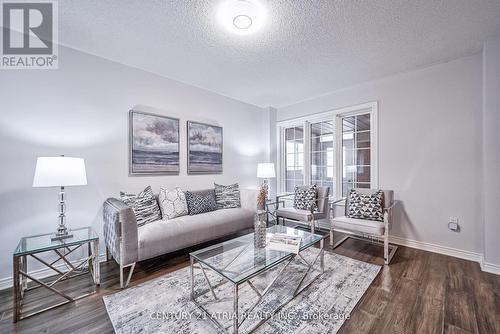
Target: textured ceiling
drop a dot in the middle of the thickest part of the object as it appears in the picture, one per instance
(307, 48)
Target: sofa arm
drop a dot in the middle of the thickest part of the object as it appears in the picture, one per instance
(120, 231)
(248, 198)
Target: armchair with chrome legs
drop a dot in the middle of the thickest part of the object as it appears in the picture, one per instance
(365, 229)
(309, 217)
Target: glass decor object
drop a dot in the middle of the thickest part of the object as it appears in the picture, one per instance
(260, 229)
(264, 171)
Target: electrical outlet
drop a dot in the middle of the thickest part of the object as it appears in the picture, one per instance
(453, 224)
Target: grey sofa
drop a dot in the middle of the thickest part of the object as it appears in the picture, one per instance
(128, 244)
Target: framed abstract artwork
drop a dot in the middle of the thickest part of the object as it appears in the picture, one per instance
(204, 148)
(153, 144)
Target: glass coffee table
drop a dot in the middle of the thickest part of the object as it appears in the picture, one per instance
(237, 262)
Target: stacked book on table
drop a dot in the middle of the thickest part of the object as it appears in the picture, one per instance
(284, 243)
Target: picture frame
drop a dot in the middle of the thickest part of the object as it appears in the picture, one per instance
(205, 149)
(154, 144)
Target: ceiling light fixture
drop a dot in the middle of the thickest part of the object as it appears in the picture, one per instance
(242, 21)
(242, 17)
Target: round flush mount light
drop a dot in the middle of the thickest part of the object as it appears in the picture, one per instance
(242, 21)
(242, 17)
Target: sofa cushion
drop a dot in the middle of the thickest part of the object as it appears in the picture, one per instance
(365, 206)
(144, 204)
(172, 203)
(162, 236)
(295, 214)
(227, 197)
(358, 225)
(201, 201)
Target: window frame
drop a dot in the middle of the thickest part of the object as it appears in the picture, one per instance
(336, 116)
(311, 151)
(285, 153)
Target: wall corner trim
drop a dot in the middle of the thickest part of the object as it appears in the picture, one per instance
(490, 267)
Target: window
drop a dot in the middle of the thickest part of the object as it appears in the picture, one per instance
(294, 157)
(322, 153)
(335, 149)
(356, 151)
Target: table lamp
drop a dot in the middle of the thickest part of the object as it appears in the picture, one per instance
(60, 172)
(265, 171)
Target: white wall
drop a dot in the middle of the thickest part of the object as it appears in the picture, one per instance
(81, 109)
(491, 154)
(273, 151)
(429, 147)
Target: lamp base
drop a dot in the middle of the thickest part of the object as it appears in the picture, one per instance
(59, 237)
(62, 231)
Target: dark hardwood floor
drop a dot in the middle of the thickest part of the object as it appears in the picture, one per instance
(420, 292)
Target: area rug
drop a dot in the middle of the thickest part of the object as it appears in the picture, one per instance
(163, 305)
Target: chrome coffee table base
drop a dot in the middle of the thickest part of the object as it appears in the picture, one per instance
(237, 317)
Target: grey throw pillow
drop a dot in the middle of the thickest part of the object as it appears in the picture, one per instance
(227, 197)
(365, 206)
(144, 204)
(200, 201)
(172, 203)
(305, 198)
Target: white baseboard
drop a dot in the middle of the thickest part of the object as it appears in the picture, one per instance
(439, 249)
(450, 251)
(6, 282)
(490, 267)
(445, 250)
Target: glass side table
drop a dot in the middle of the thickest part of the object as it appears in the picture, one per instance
(63, 268)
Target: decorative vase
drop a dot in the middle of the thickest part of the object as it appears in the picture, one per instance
(260, 229)
(262, 198)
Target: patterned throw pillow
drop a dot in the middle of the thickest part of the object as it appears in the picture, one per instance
(144, 204)
(200, 202)
(365, 206)
(227, 197)
(172, 203)
(305, 198)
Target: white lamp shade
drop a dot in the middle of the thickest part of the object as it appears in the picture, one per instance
(59, 171)
(266, 170)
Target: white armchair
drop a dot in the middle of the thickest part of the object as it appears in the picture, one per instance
(365, 229)
(305, 216)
